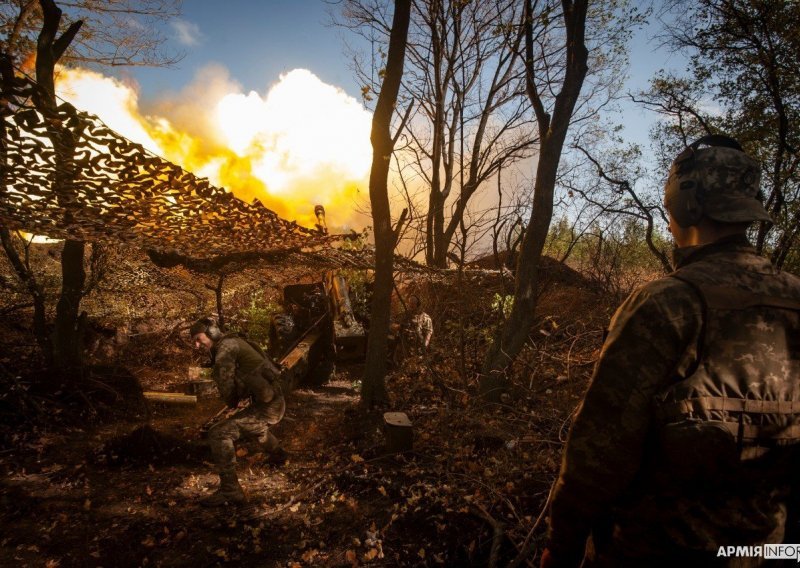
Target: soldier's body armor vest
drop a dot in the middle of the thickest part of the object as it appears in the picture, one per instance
(256, 374)
(741, 397)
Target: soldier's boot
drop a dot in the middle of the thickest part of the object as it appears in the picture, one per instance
(275, 454)
(228, 493)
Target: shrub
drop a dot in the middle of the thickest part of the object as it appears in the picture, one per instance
(255, 320)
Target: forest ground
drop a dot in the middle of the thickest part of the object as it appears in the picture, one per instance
(105, 480)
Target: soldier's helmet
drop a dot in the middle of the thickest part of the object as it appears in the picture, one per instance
(713, 177)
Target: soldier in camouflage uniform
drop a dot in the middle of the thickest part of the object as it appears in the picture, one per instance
(419, 325)
(414, 333)
(687, 437)
(242, 372)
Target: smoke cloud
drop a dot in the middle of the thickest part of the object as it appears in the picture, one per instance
(303, 142)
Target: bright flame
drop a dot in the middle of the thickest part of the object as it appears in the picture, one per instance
(303, 128)
(304, 143)
(116, 104)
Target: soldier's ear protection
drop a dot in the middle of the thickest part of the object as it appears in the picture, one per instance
(213, 331)
(685, 195)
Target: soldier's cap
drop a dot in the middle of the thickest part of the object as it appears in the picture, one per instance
(728, 180)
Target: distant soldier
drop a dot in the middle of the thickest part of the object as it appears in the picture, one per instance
(687, 439)
(283, 332)
(242, 373)
(413, 333)
(418, 325)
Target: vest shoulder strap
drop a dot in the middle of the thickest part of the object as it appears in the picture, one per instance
(256, 347)
(727, 298)
(273, 372)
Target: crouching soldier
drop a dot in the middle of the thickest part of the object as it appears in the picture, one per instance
(241, 371)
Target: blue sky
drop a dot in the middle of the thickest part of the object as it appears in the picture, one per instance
(256, 41)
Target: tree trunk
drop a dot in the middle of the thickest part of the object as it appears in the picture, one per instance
(441, 241)
(436, 250)
(218, 296)
(373, 391)
(510, 338)
(66, 335)
(513, 334)
(28, 278)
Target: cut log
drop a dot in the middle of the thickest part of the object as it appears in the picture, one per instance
(170, 397)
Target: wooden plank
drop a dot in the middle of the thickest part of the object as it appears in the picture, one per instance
(170, 397)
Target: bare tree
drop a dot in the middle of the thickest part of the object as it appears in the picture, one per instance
(475, 118)
(624, 199)
(470, 118)
(373, 389)
(12, 242)
(67, 332)
(743, 81)
(114, 32)
(119, 32)
(570, 44)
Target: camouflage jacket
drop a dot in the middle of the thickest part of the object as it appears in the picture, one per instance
(614, 481)
(238, 370)
(419, 328)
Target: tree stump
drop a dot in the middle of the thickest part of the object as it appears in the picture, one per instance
(399, 432)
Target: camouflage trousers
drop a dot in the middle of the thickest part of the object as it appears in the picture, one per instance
(251, 422)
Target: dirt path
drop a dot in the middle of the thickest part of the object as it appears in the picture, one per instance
(109, 498)
(126, 493)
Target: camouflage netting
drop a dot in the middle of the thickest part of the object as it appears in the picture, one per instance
(65, 174)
